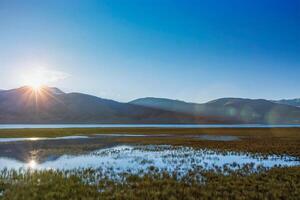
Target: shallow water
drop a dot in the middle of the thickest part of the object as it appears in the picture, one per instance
(93, 136)
(42, 138)
(224, 138)
(123, 135)
(22, 126)
(136, 158)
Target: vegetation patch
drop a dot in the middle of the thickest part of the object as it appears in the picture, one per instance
(276, 183)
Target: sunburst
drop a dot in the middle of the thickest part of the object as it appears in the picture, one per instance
(36, 79)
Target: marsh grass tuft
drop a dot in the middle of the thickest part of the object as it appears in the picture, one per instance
(276, 183)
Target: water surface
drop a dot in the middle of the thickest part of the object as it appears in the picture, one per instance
(124, 158)
(42, 138)
(223, 138)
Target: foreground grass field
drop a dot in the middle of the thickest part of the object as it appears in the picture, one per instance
(277, 183)
(256, 140)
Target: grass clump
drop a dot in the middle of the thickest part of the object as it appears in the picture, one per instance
(276, 183)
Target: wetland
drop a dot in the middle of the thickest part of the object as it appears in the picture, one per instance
(138, 162)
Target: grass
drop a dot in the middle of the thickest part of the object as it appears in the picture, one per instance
(277, 183)
(257, 132)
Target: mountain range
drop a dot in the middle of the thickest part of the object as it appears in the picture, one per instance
(51, 105)
(291, 102)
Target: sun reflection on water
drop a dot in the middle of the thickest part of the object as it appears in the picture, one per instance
(34, 139)
(32, 164)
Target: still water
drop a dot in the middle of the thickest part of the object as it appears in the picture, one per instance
(124, 158)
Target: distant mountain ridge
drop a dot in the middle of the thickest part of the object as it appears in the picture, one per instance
(291, 102)
(51, 105)
(233, 109)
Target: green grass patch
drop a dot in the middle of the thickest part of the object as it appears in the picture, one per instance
(277, 183)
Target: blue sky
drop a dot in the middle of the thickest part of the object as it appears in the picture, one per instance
(126, 49)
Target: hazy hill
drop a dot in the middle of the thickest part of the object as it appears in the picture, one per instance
(232, 109)
(291, 102)
(51, 105)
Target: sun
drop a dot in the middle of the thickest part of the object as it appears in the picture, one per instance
(39, 77)
(36, 86)
(36, 79)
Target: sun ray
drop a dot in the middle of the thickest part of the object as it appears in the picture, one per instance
(38, 95)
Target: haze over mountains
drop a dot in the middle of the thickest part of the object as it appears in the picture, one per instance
(236, 110)
(51, 105)
(291, 102)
